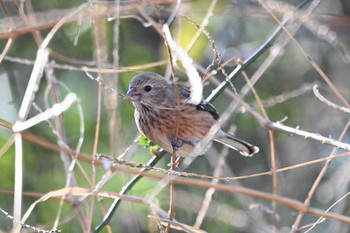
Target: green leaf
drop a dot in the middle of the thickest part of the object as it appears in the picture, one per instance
(144, 141)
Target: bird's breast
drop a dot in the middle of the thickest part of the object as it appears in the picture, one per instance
(187, 124)
(162, 126)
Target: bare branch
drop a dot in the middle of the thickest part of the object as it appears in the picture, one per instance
(328, 102)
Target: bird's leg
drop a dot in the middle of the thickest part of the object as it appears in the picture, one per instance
(176, 143)
(178, 161)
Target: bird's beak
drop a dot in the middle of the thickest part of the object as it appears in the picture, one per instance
(133, 95)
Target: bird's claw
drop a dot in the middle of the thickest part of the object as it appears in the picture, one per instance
(176, 144)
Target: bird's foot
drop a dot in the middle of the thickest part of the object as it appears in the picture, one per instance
(176, 144)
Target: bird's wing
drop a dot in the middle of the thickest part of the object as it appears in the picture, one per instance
(203, 106)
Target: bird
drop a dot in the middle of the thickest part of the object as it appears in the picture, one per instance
(165, 115)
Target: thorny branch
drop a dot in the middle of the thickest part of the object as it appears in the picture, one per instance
(174, 175)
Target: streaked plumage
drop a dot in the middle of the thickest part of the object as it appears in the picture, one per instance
(156, 114)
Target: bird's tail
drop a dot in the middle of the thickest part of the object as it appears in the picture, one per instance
(244, 148)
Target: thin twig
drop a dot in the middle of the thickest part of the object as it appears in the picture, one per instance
(56, 110)
(27, 226)
(272, 148)
(328, 102)
(292, 131)
(321, 219)
(305, 54)
(124, 190)
(85, 157)
(297, 205)
(204, 23)
(85, 68)
(210, 192)
(172, 47)
(318, 181)
(278, 99)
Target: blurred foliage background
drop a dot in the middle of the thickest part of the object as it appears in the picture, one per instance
(115, 41)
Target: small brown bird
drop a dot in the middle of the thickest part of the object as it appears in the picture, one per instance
(156, 115)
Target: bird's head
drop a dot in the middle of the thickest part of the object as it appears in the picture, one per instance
(150, 89)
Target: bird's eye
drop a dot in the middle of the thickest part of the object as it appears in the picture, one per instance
(147, 88)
